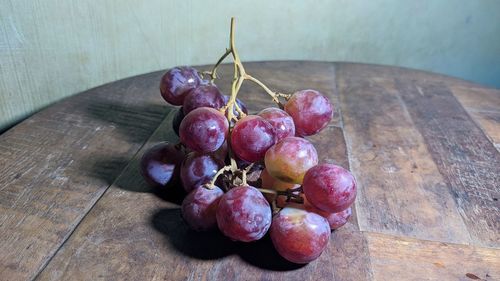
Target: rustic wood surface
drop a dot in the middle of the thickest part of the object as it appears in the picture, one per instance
(423, 147)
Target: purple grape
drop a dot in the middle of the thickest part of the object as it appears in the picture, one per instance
(203, 96)
(160, 164)
(177, 82)
(198, 169)
(251, 137)
(204, 129)
(299, 236)
(311, 112)
(281, 121)
(199, 208)
(329, 187)
(244, 214)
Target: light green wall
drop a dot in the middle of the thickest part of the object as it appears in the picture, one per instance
(51, 49)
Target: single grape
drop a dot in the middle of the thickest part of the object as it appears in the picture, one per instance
(177, 82)
(281, 121)
(289, 159)
(311, 111)
(198, 169)
(204, 129)
(299, 236)
(176, 123)
(199, 208)
(244, 214)
(160, 164)
(203, 96)
(335, 220)
(251, 137)
(329, 187)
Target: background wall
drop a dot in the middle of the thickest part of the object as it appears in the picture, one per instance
(51, 49)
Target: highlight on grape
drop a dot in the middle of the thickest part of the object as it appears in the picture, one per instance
(251, 174)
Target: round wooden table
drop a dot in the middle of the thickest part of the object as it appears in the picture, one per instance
(423, 147)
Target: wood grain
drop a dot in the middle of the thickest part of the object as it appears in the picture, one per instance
(401, 191)
(56, 165)
(411, 259)
(483, 105)
(463, 154)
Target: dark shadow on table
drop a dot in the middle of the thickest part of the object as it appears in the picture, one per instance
(132, 121)
(214, 245)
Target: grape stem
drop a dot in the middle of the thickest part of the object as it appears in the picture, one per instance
(240, 75)
(211, 184)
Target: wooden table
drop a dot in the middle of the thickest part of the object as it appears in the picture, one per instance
(423, 147)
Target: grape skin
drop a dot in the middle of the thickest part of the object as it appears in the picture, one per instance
(244, 214)
(299, 236)
(335, 220)
(251, 137)
(329, 187)
(204, 129)
(160, 164)
(281, 121)
(198, 169)
(310, 110)
(203, 96)
(290, 159)
(176, 82)
(199, 208)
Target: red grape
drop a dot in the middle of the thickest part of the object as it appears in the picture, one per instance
(198, 169)
(160, 164)
(310, 110)
(204, 129)
(199, 207)
(177, 82)
(289, 159)
(203, 96)
(335, 220)
(244, 214)
(176, 123)
(281, 121)
(299, 236)
(329, 187)
(251, 137)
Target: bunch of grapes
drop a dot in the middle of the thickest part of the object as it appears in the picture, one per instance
(295, 199)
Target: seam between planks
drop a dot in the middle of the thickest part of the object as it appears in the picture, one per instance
(364, 232)
(87, 211)
(349, 157)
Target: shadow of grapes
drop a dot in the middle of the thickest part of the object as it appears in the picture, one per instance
(214, 245)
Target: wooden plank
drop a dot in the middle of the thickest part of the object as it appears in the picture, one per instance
(463, 154)
(133, 234)
(400, 189)
(55, 166)
(398, 258)
(483, 105)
